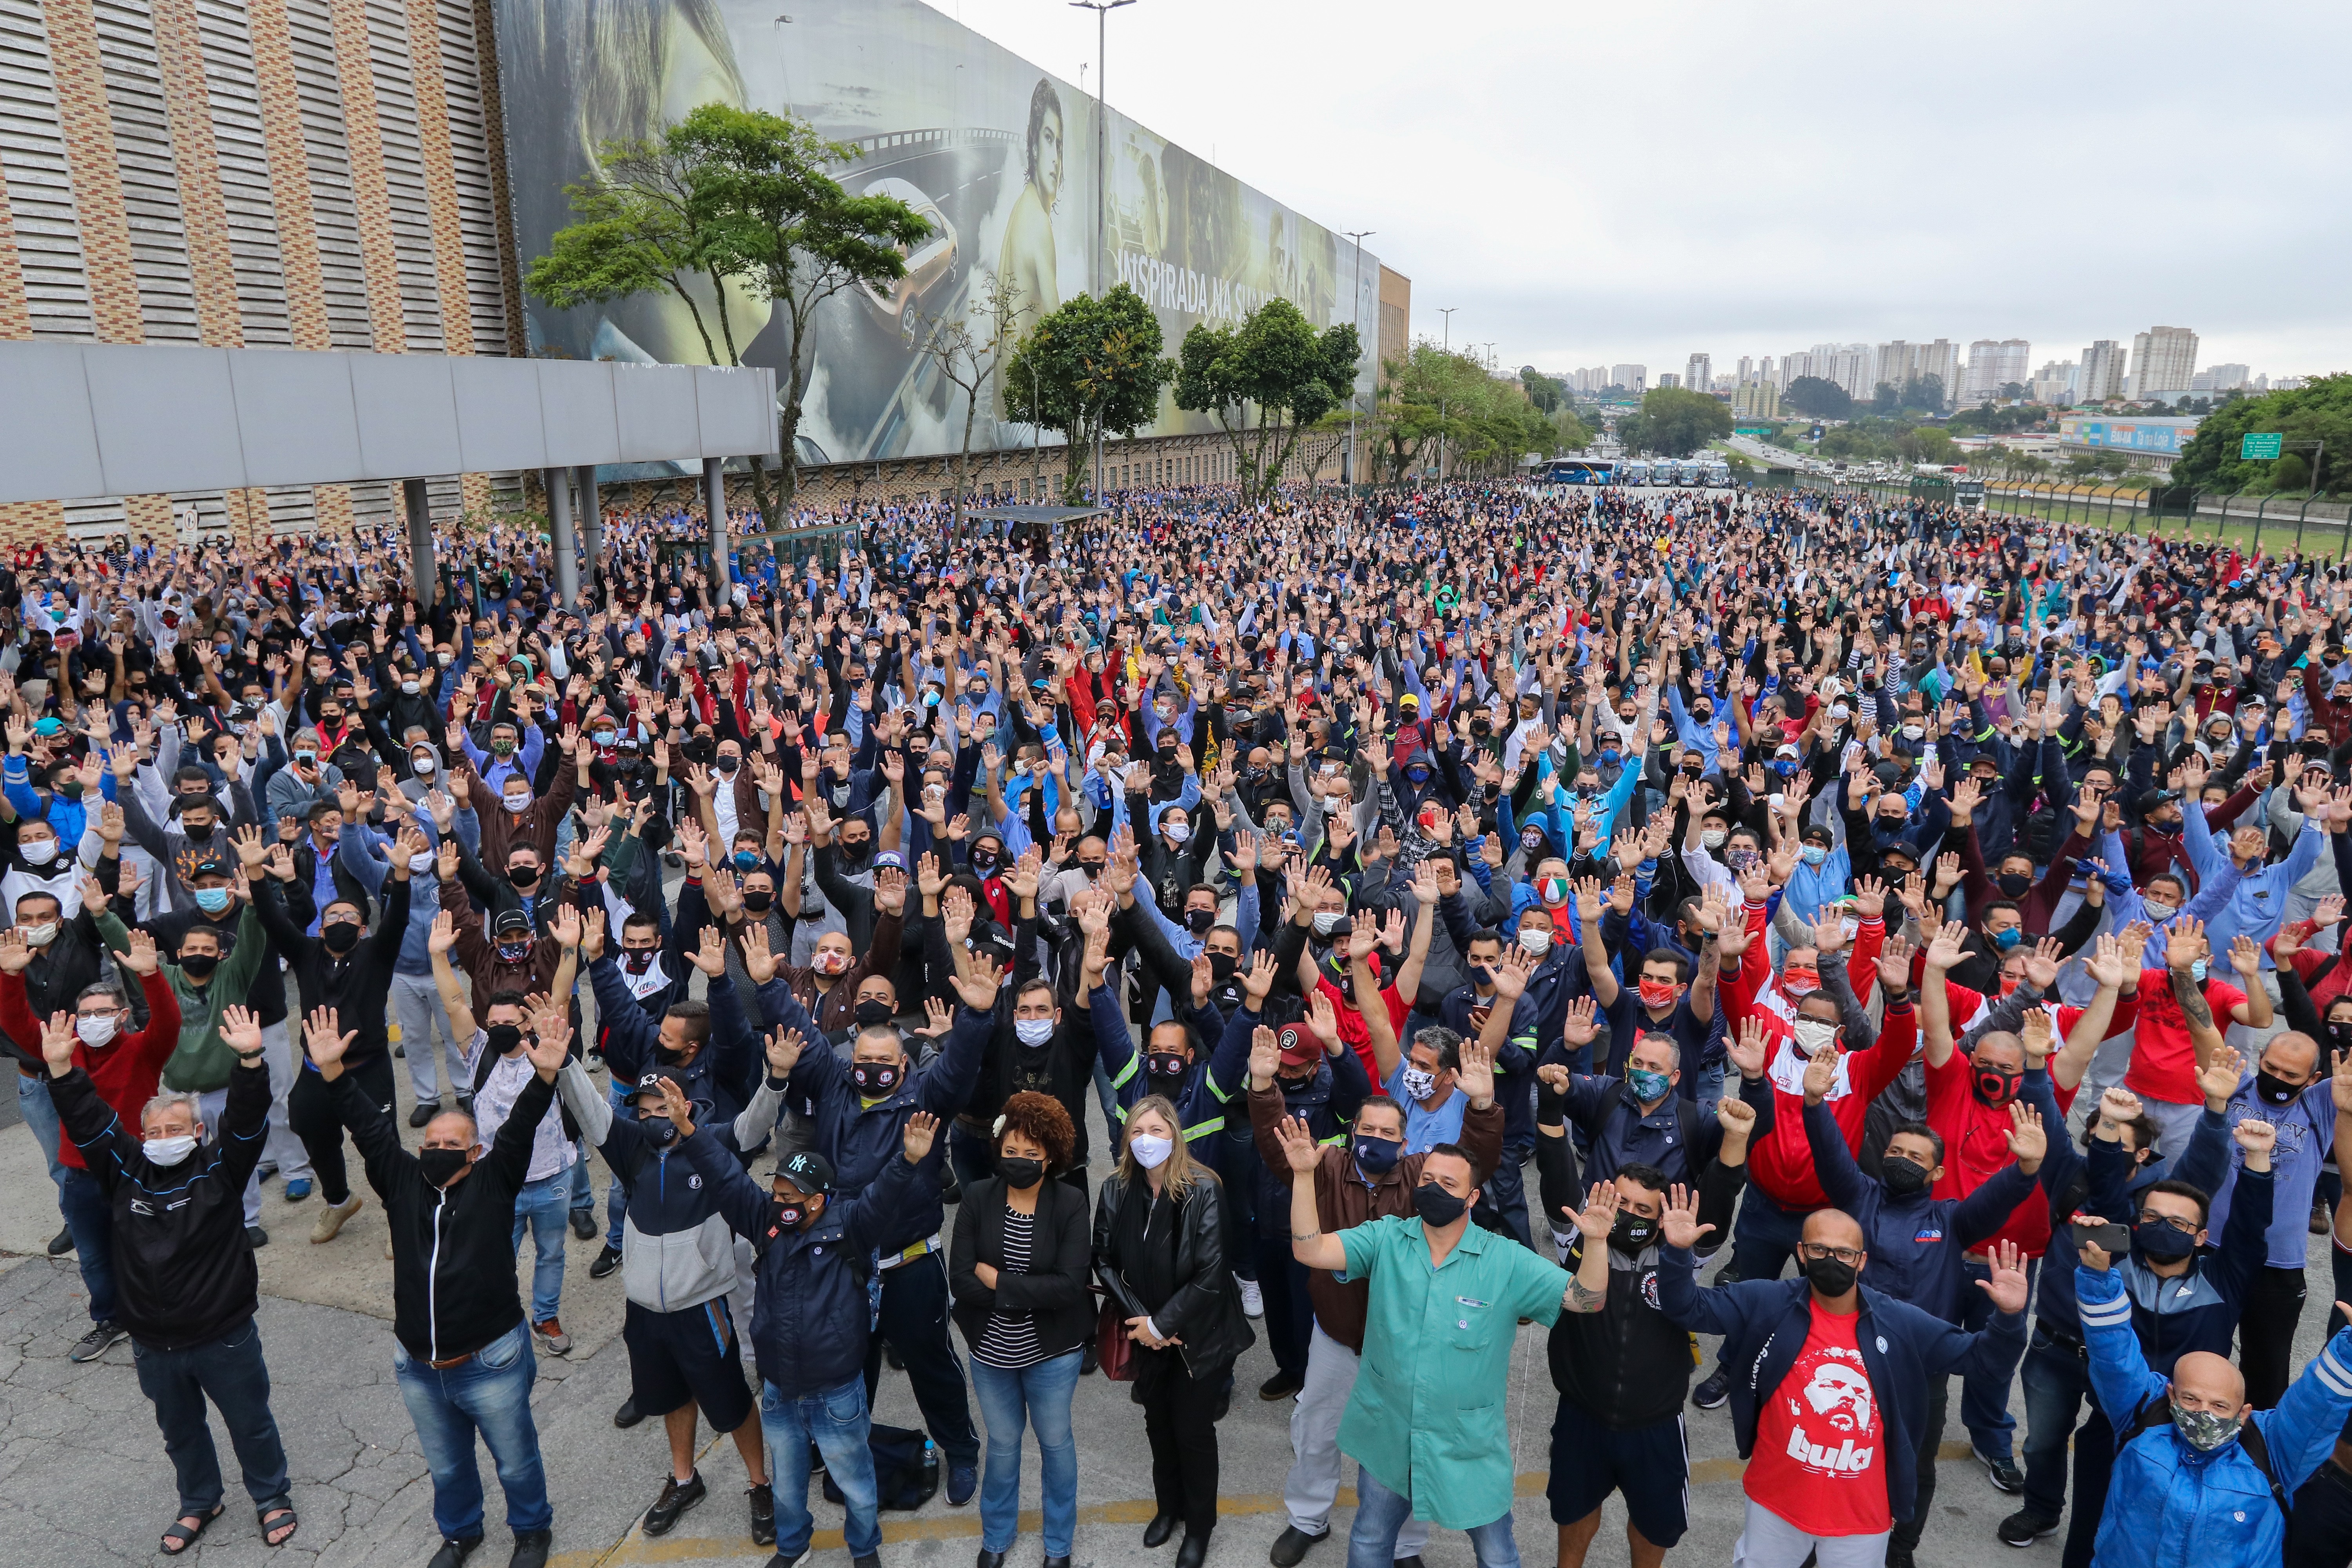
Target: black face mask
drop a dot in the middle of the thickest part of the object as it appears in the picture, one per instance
(2275, 1090)
(1378, 1156)
(874, 1079)
(339, 937)
(503, 1040)
(440, 1165)
(983, 861)
(1198, 921)
(659, 1130)
(1020, 1172)
(759, 900)
(1994, 1087)
(855, 853)
(198, 965)
(2013, 884)
(2340, 1034)
(790, 1214)
(524, 878)
(1437, 1207)
(1223, 966)
(1165, 1067)
(728, 762)
(872, 1012)
(1632, 1233)
(1902, 1178)
(1829, 1277)
(637, 960)
(2159, 1240)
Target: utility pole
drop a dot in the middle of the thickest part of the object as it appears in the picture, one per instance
(1356, 315)
(1102, 10)
(1446, 346)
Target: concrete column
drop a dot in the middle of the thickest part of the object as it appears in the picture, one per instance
(714, 500)
(591, 518)
(424, 571)
(559, 518)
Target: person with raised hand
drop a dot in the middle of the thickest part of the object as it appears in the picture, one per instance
(462, 1351)
(186, 1287)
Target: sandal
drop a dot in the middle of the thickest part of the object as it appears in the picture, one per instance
(178, 1538)
(277, 1514)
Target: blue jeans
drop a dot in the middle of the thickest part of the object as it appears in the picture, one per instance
(1984, 1401)
(584, 1193)
(1380, 1513)
(837, 1421)
(91, 1220)
(228, 1371)
(617, 1200)
(2057, 1381)
(489, 1395)
(1040, 1395)
(543, 1205)
(33, 1105)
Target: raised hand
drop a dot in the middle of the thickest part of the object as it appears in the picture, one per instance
(240, 1028)
(1946, 949)
(1820, 1074)
(711, 954)
(2007, 1285)
(1299, 1148)
(1599, 1216)
(977, 985)
(2028, 1140)
(1746, 1049)
(1679, 1225)
(324, 1037)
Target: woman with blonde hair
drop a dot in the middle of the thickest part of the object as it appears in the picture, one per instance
(1158, 1248)
(1018, 1266)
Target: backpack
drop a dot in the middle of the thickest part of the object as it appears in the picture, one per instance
(2158, 1412)
(906, 1469)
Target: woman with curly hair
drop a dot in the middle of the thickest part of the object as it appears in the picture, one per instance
(1018, 1268)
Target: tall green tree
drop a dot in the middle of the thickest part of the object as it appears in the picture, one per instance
(1091, 367)
(1676, 422)
(1266, 381)
(967, 351)
(1822, 398)
(735, 196)
(2319, 410)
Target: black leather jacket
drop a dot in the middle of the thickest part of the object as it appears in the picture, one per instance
(1202, 1307)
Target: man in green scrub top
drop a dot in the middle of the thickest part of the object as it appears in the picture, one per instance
(1427, 1424)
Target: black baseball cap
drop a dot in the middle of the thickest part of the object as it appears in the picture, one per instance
(809, 1171)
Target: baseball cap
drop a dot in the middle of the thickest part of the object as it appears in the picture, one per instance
(1299, 1045)
(510, 922)
(807, 1169)
(889, 859)
(212, 865)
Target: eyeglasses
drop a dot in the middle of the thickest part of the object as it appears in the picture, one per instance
(2184, 1226)
(1817, 1250)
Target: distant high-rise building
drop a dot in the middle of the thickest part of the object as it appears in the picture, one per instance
(2103, 372)
(1632, 377)
(1756, 400)
(1849, 368)
(2228, 377)
(1747, 371)
(2053, 383)
(1794, 367)
(1993, 363)
(2163, 361)
(1894, 364)
(1667, 378)
(1941, 359)
(1699, 373)
(1766, 374)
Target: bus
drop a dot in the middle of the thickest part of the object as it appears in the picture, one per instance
(1578, 471)
(1633, 473)
(1719, 474)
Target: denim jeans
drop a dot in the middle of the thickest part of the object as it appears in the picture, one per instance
(1380, 1513)
(617, 1197)
(1984, 1400)
(837, 1421)
(228, 1371)
(1041, 1395)
(489, 1395)
(584, 1191)
(40, 1115)
(543, 1205)
(2057, 1381)
(91, 1219)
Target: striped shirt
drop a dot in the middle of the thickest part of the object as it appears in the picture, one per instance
(1009, 1342)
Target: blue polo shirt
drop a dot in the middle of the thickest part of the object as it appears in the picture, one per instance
(1424, 1129)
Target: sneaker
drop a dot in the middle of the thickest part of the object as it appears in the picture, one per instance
(2319, 1221)
(422, 1112)
(1714, 1391)
(330, 1219)
(606, 1261)
(962, 1481)
(763, 1513)
(675, 1498)
(1281, 1385)
(256, 1237)
(1253, 1299)
(2025, 1527)
(2006, 1476)
(1899, 1556)
(297, 1189)
(584, 1224)
(1292, 1545)
(61, 1243)
(454, 1551)
(94, 1344)
(551, 1335)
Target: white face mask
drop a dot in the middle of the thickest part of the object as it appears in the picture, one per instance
(1713, 837)
(424, 765)
(517, 803)
(1033, 1031)
(2157, 910)
(41, 935)
(1328, 922)
(38, 851)
(169, 1151)
(1418, 1082)
(1150, 1151)
(1177, 832)
(1536, 941)
(1812, 1035)
(419, 864)
(98, 1030)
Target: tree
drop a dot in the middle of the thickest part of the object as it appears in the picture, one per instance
(969, 349)
(731, 194)
(1266, 381)
(1821, 399)
(1675, 422)
(1542, 391)
(1568, 433)
(2319, 410)
(1091, 367)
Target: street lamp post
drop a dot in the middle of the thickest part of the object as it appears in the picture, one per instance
(1102, 10)
(1356, 317)
(1446, 346)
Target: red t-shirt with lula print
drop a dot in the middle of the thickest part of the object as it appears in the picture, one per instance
(1820, 1460)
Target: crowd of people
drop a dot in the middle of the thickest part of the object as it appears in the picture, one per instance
(1898, 943)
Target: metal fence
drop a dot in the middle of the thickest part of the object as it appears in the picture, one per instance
(2311, 525)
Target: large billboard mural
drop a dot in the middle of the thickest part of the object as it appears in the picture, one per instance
(997, 154)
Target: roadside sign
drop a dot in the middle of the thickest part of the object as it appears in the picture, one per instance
(2252, 447)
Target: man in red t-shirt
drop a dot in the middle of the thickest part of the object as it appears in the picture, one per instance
(2164, 1063)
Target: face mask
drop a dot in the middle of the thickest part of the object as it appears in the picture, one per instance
(728, 761)
(854, 851)
(874, 1079)
(1019, 1172)
(1328, 922)
(1034, 1032)
(43, 934)
(1198, 921)
(425, 766)
(2158, 1240)
(339, 937)
(98, 1030)
(524, 878)
(1813, 1034)
(1531, 839)
(1829, 1277)
(1994, 1087)
(38, 851)
(503, 1040)
(1223, 966)
(501, 747)
(1713, 837)
(440, 1167)
(659, 1130)
(1177, 832)
(1167, 1066)
(1377, 1156)
(1418, 1083)
(1537, 943)
(2197, 972)
(983, 861)
(2158, 910)
(759, 900)
(872, 1011)
(1632, 1233)
(1801, 982)
(2013, 884)
(517, 803)
(1914, 732)
(2005, 939)
(198, 965)
(1437, 1207)
(1902, 1177)
(2274, 1091)
(1659, 994)
(1647, 1086)
(1813, 854)
(168, 1150)
(2205, 1430)
(1150, 1151)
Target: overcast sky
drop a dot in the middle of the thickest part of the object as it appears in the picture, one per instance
(1591, 184)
